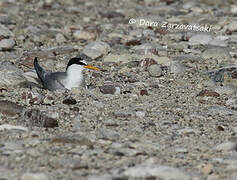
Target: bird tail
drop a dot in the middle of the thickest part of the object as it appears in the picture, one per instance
(39, 70)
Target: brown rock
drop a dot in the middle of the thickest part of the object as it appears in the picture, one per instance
(144, 92)
(107, 89)
(145, 63)
(69, 101)
(208, 93)
(37, 118)
(9, 108)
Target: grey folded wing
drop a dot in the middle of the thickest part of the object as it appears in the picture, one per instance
(53, 81)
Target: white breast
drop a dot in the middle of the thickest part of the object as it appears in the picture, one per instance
(74, 76)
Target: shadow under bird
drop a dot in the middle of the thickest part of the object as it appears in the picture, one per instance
(73, 77)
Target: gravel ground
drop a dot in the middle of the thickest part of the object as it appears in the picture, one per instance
(163, 106)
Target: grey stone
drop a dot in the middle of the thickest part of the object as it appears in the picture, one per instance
(159, 171)
(12, 127)
(7, 44)
(233, 9)
(10, 109)
(5, 32)
(105, 133)
(108, 89)
(83, 35)
(221, 110)
(140, 114)
(177, 67)
(155, 70)
(35, 176)
(233, 26)
(227, 146)
(225, 89)
(10, 75)
(221, 54)
(123, 58)
(218, 42)
(200, 39)
(60, 38)
(96, 49)
(188, 131)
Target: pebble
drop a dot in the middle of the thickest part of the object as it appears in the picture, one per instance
(72, 139)
(39, 119)
(221, 54)
(7, 44)
(6, 174)
(10, 75)
(74, 164)
(104, 133)
(140, 114)
(83, 35)
(188, 131)
(144, 92)
(31, 77)
(148, 32)
(177, 68)
(5, 32)
(10, 109)
(200, 39)
(227, 146)
(225, 89)
(207, 169)
(96, 49)
(164, 61)
(12, 127)
(218, 42)
(221, 110)
(69, 101)
(35, 176)
(147, 48)
(233, 10)
(155, 70)
(60, 38)
(32, 97)
(145, 63)
(157, 171)
(123, 58)
(108, 89)
(181, 150)
(208, 93)
(233, 26)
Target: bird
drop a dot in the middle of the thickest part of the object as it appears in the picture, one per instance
(73, 77)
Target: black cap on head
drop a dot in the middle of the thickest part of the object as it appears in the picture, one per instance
(78, 60)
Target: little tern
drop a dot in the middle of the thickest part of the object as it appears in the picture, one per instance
(73, 77)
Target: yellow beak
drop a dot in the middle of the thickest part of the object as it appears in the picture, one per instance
(91, 67)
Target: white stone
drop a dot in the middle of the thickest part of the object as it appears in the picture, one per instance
(99, 46)
(60, 38)
(233, 26)
(200, 39)
(35, 176)
(233, 10)
(227, 146)
(83, 35)
(140, 114)
(11, 127)
(161, 172)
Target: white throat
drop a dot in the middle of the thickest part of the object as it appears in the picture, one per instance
(74, 76)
